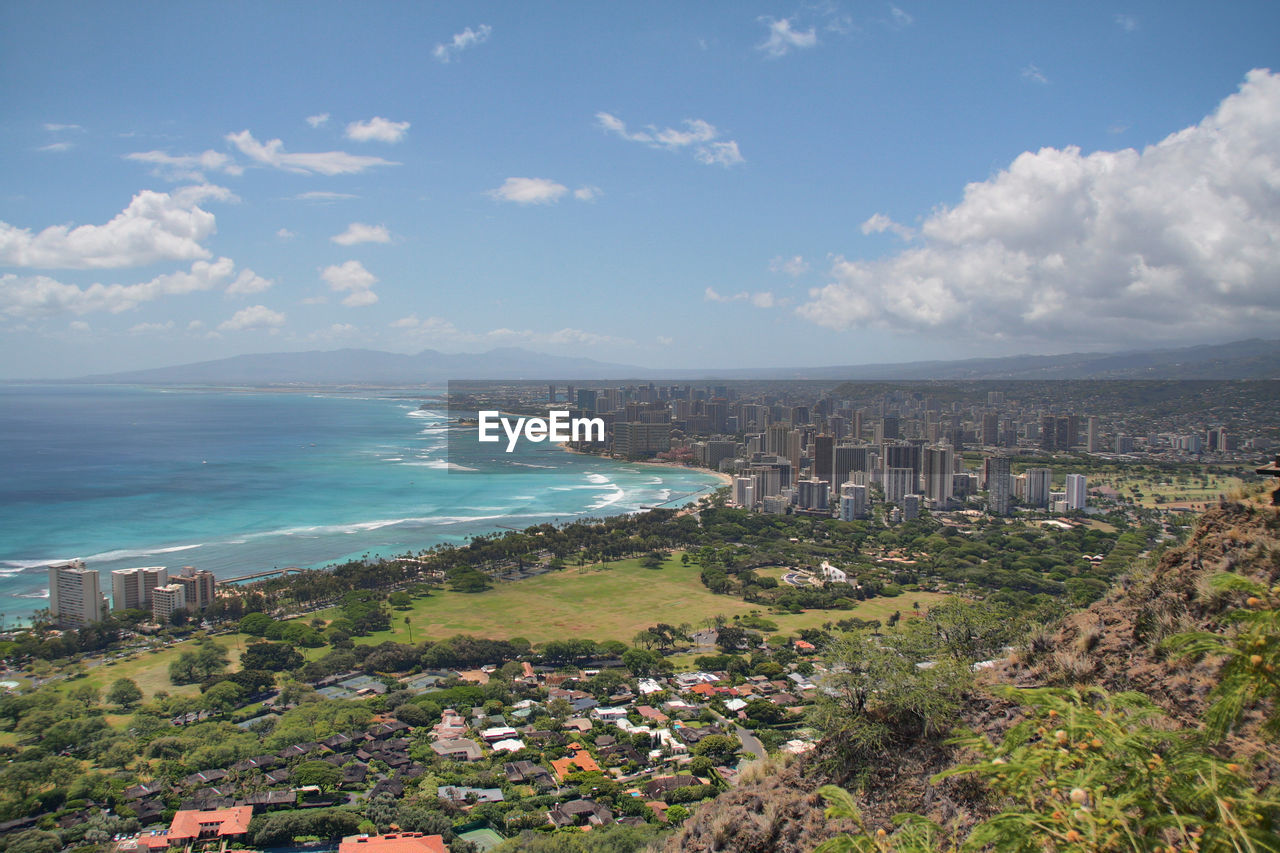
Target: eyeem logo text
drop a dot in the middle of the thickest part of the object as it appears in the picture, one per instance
(559, 427)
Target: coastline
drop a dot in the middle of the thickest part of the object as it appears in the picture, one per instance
(725, 479)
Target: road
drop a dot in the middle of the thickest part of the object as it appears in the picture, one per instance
(750, 743)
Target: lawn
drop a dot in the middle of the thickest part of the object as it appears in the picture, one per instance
(1190, 491)
(612, 603)
(150, 669)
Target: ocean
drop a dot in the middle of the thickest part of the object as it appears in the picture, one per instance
(244, 481)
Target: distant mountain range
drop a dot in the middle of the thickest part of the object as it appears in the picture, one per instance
(1251, 359)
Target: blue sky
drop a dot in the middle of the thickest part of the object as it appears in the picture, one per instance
(662, 184)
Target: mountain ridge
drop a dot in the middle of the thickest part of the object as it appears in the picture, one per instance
(1246, 359)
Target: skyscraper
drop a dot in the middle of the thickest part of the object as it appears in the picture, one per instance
(848, 459)
(1077, 491)
(853, 502)
(131, 588)
(1038, 481)
(75, 598)
(167, 599)
(1094, 437)
(898, 483)
(939, 469)
(824, 459)
(199, 585)
(998, 485)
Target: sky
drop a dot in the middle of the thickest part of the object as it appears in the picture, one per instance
(670, 185)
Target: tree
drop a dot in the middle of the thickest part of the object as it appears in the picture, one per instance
(322, 774)
(274, 657)
(255, 624)
(224, 696)
(719, 748)
(641, 661)
(124, 692)
(971, 631)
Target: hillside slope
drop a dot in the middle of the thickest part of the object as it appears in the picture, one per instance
(1116, 643)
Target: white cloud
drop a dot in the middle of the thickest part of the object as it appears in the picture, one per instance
(461, 41)
(79, 326)
(529, 191)
(665, 341)
(358, 232)
(701, 136)
(54, 128)
(440, 329)
(561, 337)
(272, 154)
(56, 146)
(317, 120)
(879, 223)
(151, 328)
(42, 296)
(377, 129)
(760, 299)
(360, 299)
(719, 154)
(587, 193)
(323, 195)
(1175, 243)
(900, 17)
(253, 317)
(794, 266)
(1034, 75)
(783, 39)
(248, 282)
(285, 234)
(354, 280)
(1128, 23)
(434, 327)
(186, 167)
(195, 325)
(154, 227)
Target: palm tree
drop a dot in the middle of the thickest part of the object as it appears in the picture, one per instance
(409, 625)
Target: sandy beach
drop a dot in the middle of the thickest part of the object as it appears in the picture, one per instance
(726, 479)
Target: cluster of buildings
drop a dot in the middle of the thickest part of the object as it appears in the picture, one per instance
(76, 597)
(830, 457)
(599, 735)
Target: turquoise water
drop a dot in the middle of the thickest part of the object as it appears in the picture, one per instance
(246, 481)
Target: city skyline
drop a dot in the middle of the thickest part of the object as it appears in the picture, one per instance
(715, 186)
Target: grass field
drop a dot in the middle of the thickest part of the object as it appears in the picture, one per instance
(593, 602)
(612, 603)
(150, 670)
(1169, 492)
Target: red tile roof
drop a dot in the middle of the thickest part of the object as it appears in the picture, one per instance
(222, 823)
(394, 842)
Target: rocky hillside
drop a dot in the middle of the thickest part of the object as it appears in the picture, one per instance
(1117, 643)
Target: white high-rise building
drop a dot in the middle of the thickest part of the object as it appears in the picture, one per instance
(744, 492)
(853, 502)
(75, 597)
(167, 599)
(898, 483)
(131, 588)
(1077, 491)
(1038, 480)
(1093, 441)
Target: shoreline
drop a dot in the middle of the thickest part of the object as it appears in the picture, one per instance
(725, 479)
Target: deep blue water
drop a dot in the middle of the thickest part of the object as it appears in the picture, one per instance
(245, 481)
